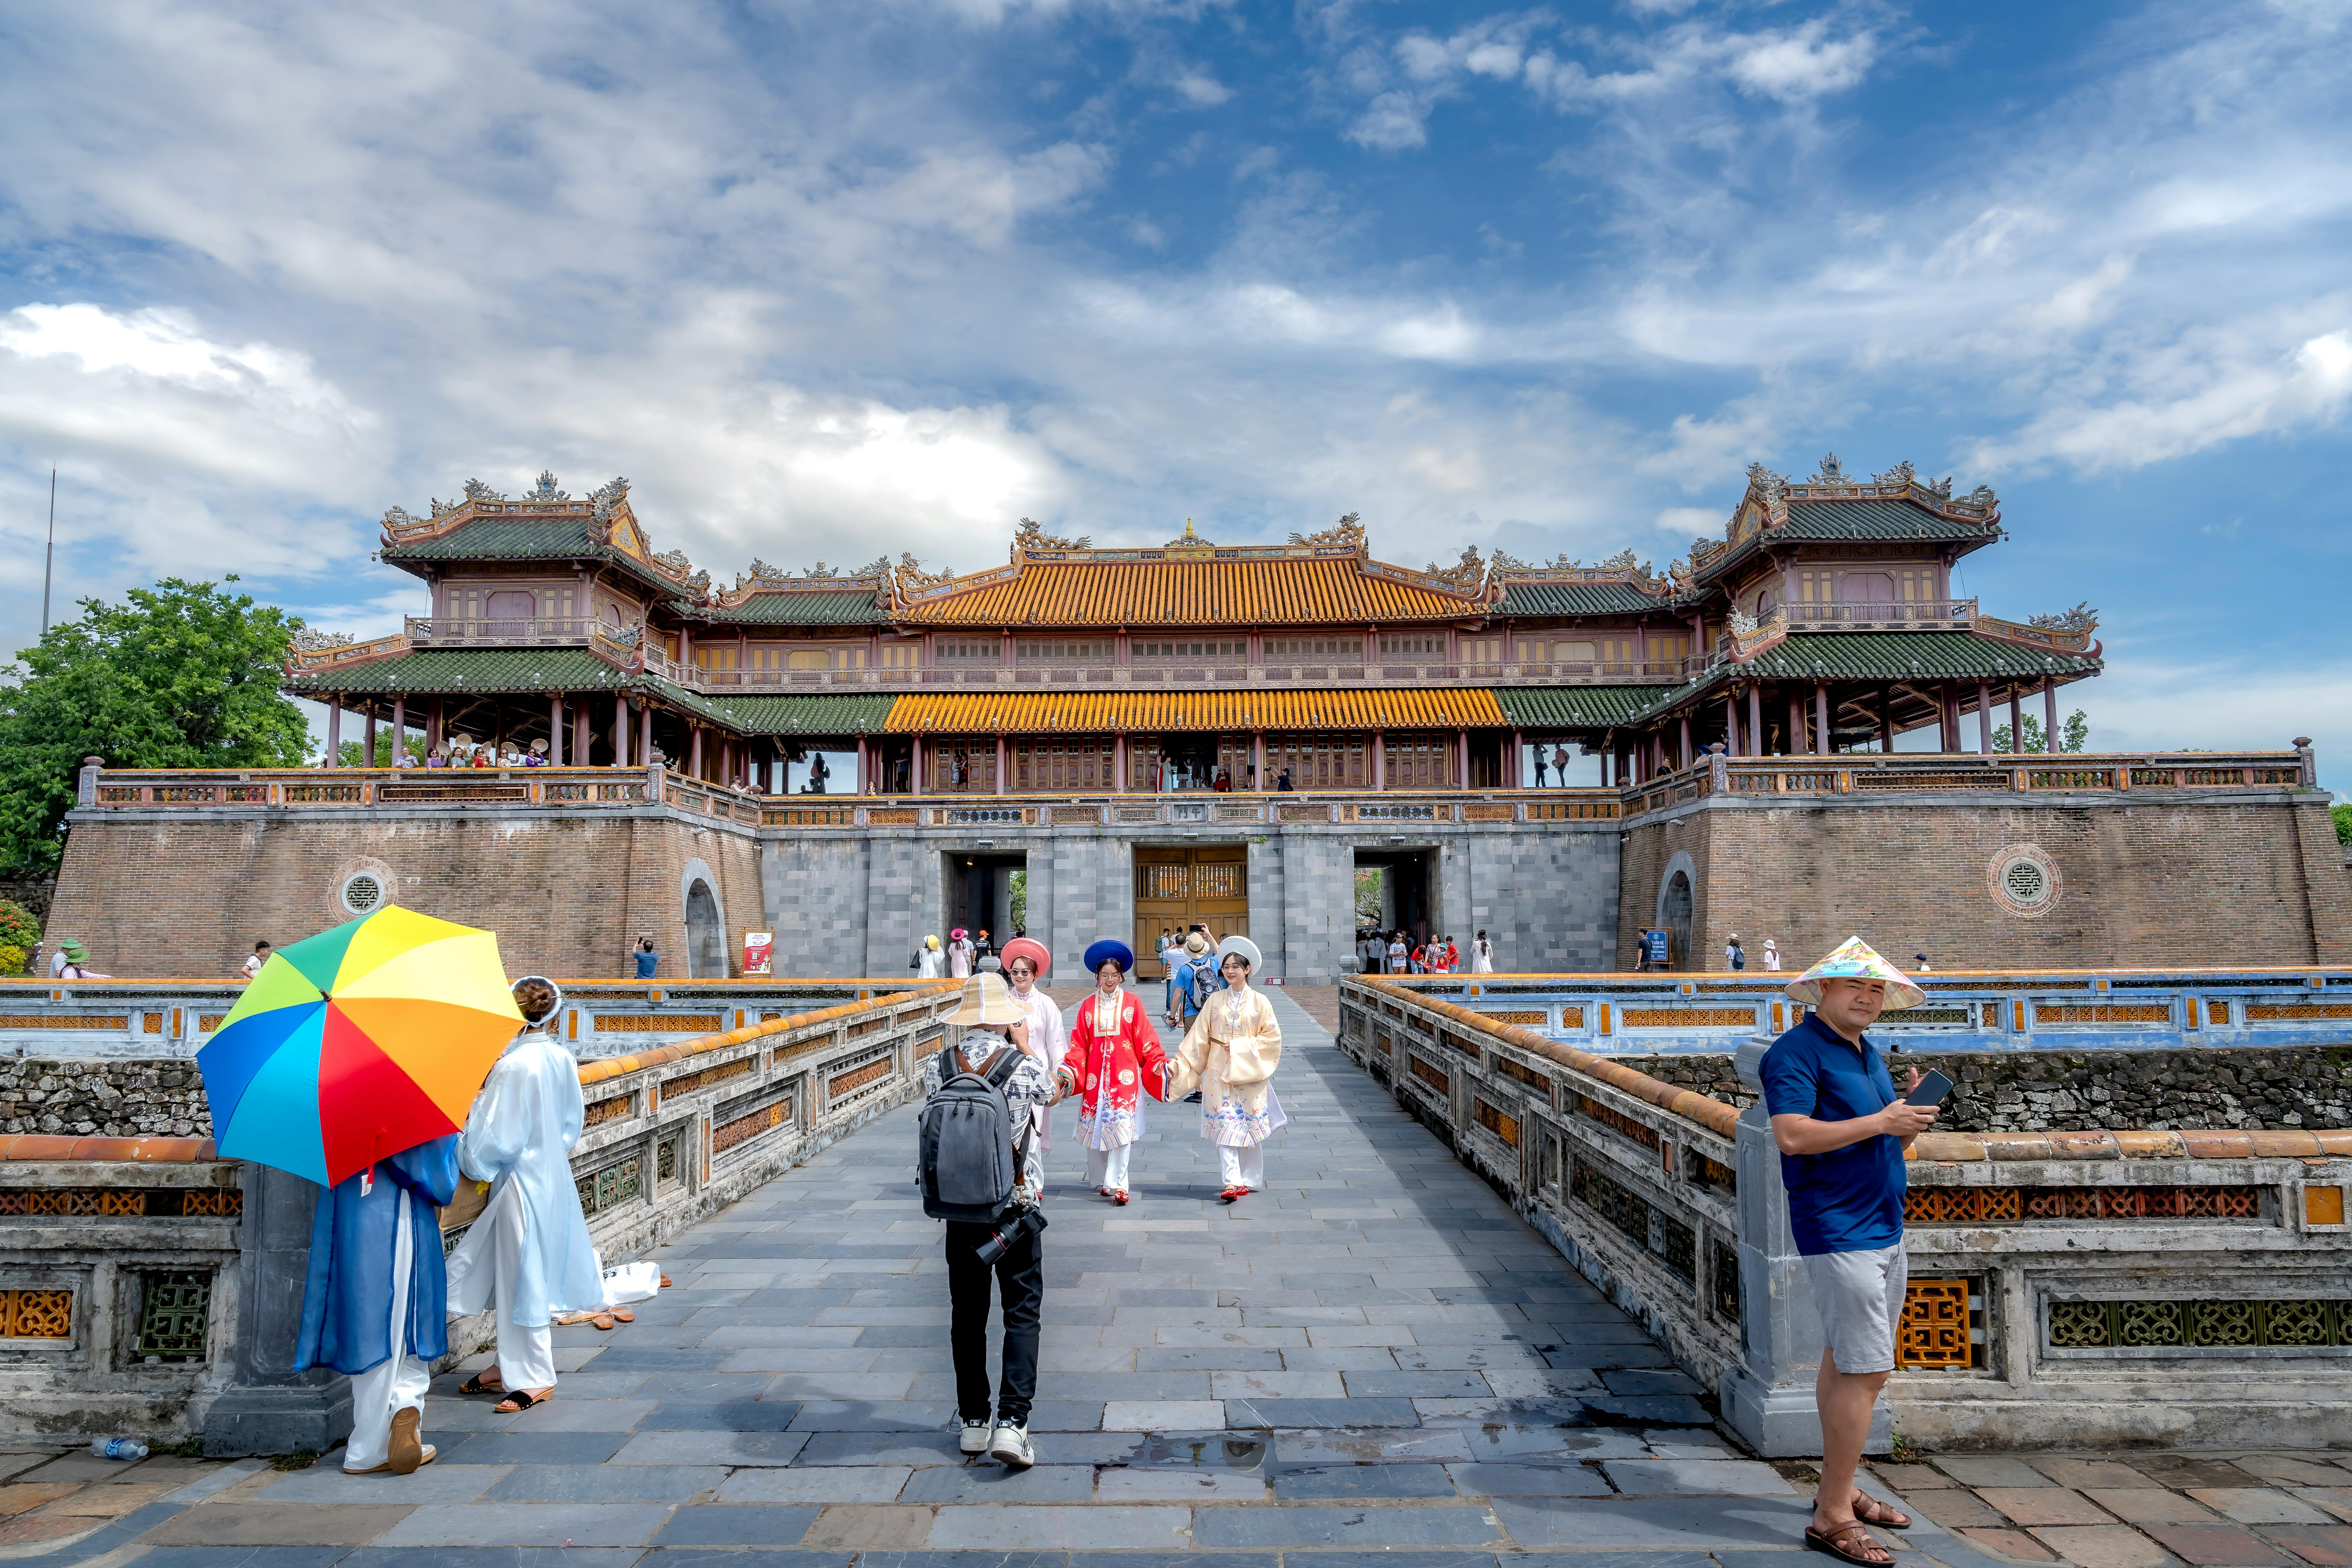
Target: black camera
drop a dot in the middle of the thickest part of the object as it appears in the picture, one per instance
(1009, 1232)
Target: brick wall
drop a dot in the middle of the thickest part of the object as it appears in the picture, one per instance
(2140, 881)
(167, 896)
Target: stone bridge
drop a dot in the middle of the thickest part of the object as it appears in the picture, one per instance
(1378, 1355)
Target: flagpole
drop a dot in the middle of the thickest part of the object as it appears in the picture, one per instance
(49, 558)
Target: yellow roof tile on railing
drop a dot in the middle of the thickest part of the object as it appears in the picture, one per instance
(1079, 713)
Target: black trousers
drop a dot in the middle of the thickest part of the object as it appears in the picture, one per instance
(1021, 1278)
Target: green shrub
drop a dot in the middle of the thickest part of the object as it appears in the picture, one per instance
(12, 960)
(18, 928)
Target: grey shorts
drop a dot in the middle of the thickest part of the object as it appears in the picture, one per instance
(1860, 1297)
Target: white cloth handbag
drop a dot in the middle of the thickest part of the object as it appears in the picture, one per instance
(632, 1282)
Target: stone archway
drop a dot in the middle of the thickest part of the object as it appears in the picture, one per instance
(1678, 907)
(706, 924)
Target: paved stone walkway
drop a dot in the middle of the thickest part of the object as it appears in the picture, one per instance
(1376, 1356)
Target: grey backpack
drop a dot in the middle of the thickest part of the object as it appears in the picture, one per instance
(965, 1143)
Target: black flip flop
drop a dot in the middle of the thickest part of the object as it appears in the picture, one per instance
(474, 1385)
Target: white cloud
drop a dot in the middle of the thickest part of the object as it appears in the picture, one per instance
(1801, 63)
(1201, 89)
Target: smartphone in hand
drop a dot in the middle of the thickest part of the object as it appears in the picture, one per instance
(1932, 1089)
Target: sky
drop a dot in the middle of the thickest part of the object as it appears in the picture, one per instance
(829, 281)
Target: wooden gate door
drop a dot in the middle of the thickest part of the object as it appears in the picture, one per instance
(1175, 887)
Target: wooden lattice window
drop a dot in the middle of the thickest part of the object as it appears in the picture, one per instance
(1500, 1122)
(1989, 1205)
(1428, 1075)
(615, 1185)
(1723, 1275)
(174, 1316)
(2294, 1323)
(36, 1314)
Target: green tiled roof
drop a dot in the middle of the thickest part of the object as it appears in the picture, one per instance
(451, 670)
(1871, 520)
(506, 539)
(847, 608)
(1574, 707)
(1575, 599)
(823, 715)
(1886, 656)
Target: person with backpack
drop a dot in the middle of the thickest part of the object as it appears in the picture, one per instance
(977, 1166)
(1114, 1057)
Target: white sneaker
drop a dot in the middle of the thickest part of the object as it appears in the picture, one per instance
(974, 1439)
(1011, 1445)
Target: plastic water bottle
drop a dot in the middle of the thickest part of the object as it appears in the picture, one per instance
(118, 1448)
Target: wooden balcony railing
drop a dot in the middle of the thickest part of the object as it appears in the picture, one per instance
(456, 631)
(1848, 772)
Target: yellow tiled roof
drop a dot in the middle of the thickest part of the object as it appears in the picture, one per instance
(1241, 593)
(1098, 712)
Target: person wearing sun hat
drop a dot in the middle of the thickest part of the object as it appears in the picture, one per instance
(1027, 962)
(1115, 1056)
(1842, 1131)
(1230, 1054)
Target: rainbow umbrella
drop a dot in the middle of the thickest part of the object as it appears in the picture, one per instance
(358, 1042)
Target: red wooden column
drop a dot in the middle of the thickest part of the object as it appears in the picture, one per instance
(2016, 720)
(1821, 746)
(1381, 759)
(580, 733)
(334, 732)
(1886, 719)
(1797, 747)
(1516, 777)
(367, 744)
(399, 727)
(694, 750)
(1984, 719)
(1685, 752)
(1755, 721)
(645, 731)
(1001, 757)
(1257, 747)
(2049, 712)
(1730, 722)
(1461, 752)
(555, 729)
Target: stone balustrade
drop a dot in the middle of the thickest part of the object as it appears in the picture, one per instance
(149, 1286)
(2178, 1288)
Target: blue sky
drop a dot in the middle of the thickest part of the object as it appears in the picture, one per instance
(826, 281)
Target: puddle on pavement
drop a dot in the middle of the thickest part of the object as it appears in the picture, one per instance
(1201, 1451)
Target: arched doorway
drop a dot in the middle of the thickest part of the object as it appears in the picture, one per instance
(1677, 910)
(706, 937)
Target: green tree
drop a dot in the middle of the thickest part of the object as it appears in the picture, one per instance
(349, 752)
(2073, 737)
(2343, 815)
(181, 675)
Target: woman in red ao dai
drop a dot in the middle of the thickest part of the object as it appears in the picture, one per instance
(1114, 1057)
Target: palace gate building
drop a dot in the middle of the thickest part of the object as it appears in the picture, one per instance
(1228, 735)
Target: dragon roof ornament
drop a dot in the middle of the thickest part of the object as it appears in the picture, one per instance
(1032, 535)
(1349, 529)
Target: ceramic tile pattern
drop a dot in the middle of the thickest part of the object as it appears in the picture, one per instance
(1317, 1371)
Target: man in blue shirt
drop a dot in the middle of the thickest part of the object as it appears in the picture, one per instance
(1842, 1131)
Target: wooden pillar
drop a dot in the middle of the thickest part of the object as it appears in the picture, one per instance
(1462, 755)
(2049, 713)
(1379, 760)
(693, 750)
(367, 742)
(2016, 720)
(1001, 751)
(1984, 719)
(399, 727)
(1518, 775)
(433, 711)
(580, 733)
(1685, 755)
(1730, 722)
(1257, 744)
(1797, 747)
(1755, 721)
(1947, 719)
(645, 731)
(555, 729)
(1886, 718)
(916, 749)
(620, 729)
(334, 732)
(1118, 751)
(1823, 745)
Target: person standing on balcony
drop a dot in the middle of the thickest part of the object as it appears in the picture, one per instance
(1559, 763)
(1842, 1131)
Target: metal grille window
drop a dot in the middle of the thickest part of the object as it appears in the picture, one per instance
(666, 1161)
(1723, 1274)
(2302, 1322)
(174, 1316)
(1637, 1219)
(616, 1184)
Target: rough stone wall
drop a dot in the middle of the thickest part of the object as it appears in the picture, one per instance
(1911, 875)
(817, 893)
(126, 1098)
(164, 896)
(2035, 1092)
(1547, 897)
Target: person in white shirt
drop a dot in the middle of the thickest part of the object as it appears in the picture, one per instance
(1771, 957)
(254, 961)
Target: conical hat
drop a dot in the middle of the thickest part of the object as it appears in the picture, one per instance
(1855, 959)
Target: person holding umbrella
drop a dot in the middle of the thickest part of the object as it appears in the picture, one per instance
(376, 1238)
(528, 1254)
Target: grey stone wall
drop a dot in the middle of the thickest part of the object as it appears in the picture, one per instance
(118, 1097)
(2077, 1091)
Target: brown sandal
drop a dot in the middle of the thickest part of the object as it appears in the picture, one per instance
(1870, 1510)
(474, 1385)
(520, 1400)
(1832, 1541)
(622, 1315)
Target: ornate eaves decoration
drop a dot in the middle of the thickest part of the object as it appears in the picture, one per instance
(477, 492)
(1349, 529)
(1766, 483)
(1502, 560)
(1901, 473)
(1032, 535)
(310, 639)
(2081, 618)
(1832, 472)
(545, 490)
(877, 567)
(913, 579)
(1468, 572)
(1623, 562)
(605, 497)
(397, 518)
(1742, 624)
(1188, 540)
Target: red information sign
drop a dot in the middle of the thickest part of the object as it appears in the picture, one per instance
(758, 952)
